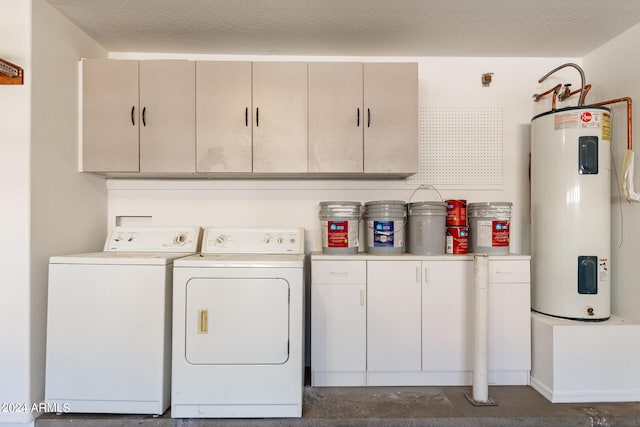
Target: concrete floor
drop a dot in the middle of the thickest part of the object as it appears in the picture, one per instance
(398, 406)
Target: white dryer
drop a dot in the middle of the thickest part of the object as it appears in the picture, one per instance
(109, 322)
(238, 326)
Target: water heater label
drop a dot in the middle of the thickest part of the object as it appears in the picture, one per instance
(603, 269)
(606, 127)
(590, 120)
(578, 120)
(566, 121)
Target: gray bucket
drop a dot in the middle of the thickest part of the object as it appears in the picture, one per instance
(489, 227)
(385, 226)
(426, 228)
(340, 224)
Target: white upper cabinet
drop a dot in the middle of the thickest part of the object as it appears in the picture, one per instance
(391, 118)
(363, 118)
(335, 117)
(110, 116)
(138, 116)
(167, 100)
(185, 118)
(279, 117)
(223, 116)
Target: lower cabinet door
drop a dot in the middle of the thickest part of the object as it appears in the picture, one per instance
(393, 316)
(338, 340)
(447, 316)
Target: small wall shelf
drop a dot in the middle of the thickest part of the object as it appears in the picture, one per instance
(10, 74)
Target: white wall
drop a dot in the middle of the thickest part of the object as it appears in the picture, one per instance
(68, 208)
(613, 69)
(15, 33)
(444, 82)
(49, 207)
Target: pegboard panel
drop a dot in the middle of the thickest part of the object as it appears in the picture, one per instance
(460, 146)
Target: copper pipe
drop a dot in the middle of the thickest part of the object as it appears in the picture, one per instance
(577, 67)
(587, 88)
(555, 89)
(629, 115)
(537, 96)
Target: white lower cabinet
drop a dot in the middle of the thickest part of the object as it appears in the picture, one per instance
(408, 321)
(338, 323)
(393, 318)
(447, 321)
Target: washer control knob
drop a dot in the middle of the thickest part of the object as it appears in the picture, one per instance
(267, 239)
(181, 239)
(220, 240)
(280, 240)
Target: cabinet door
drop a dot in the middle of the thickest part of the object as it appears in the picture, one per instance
(509, 316)
(280, 117)
(335, 117)
(110, 116)
(338, 316)
(223, 116)
(167, 99)
(393, 316)
(447, 316)
(391, 118)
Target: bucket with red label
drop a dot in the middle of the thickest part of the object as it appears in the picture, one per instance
(340, 225)
(457, 241)
(456, 213)
(490, 227)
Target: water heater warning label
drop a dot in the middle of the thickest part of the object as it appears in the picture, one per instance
(603, 269)
(606, 127)
(578, 120)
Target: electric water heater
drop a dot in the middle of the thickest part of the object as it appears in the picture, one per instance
(570, 213)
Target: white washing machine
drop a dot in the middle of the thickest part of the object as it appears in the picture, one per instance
(238, 326)
(109, 322)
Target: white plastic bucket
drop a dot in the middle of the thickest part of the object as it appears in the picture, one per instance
(385, 226)
(426, 228)
(489, 227)
(340, 224)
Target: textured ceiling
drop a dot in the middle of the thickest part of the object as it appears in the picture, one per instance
(545, 28)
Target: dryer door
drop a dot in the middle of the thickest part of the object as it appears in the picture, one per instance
(235, 321)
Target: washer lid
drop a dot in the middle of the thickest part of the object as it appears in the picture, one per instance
(119, 258)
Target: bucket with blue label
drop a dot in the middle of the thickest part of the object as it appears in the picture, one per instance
(385, 222)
